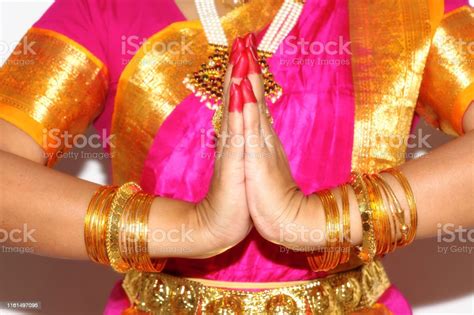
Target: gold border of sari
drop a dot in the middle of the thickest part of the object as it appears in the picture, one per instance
(390, 44)
(448, 83)
(51, 88)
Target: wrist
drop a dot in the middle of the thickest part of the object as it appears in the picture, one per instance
(211, 240)
(298, 225)
(173, 230)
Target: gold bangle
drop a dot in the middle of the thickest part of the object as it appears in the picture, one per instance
(124, 193)
(368, 249)
(396, 211)
(135, 234)
(410, 197)
(95, 224)
(346, 225)
(329, 258)
(128, 229)
(381, 218)
(90, 226)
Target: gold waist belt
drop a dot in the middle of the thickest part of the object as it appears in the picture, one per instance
(158, 293)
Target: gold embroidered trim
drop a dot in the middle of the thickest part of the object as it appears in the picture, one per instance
(390, 43)
(448, 82)
(51, 87)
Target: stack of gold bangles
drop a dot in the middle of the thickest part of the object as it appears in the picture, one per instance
(116, 224)
(116, 229)
(384, 221)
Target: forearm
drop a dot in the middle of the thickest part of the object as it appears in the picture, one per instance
(442, 184)
(48, 204)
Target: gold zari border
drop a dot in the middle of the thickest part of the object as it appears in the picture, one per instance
(158, 293)
(390, 44)
(448, 83)
(51, 87)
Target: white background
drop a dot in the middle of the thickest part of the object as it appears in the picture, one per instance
(434, 283)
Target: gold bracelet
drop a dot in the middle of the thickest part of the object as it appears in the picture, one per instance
(381, 218)
(134, 235)
(397, 215)
(397, 210)
(346, 225)
(411, 205)
(148, 264)
(368, 249)
(124, 193)
(95, 224)
(330, 256)
(90, 227)
(128, 228)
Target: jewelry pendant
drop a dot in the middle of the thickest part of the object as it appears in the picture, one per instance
(208, 82)
(273, 90)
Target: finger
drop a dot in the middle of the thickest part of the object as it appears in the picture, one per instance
(253, 138)
(234, 146)
(223, 134)
(239, 59)
(258, 86)
(234, 67)
(256, 81)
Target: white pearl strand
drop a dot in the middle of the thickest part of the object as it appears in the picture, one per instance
(210, 22)
(284, 21)
(287, 24)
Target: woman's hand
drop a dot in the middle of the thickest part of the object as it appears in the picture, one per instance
(223, 215)
(272, 194)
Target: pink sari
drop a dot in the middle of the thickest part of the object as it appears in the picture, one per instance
(314, 120)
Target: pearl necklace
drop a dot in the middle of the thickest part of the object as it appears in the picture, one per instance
(207, 82)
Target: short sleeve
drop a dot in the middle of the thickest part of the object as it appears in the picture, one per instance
(447, 88)
(55, 83)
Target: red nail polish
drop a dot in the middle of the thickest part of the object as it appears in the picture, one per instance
(237, 50)
(254, 66)
(236, 102)
(250, 40)
(241, 67)
(247, 92)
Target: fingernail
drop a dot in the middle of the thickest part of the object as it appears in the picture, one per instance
(254, 66)
(236, 102)
(241, 67)
(237, 50)
(250, 40)
(247, 91)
